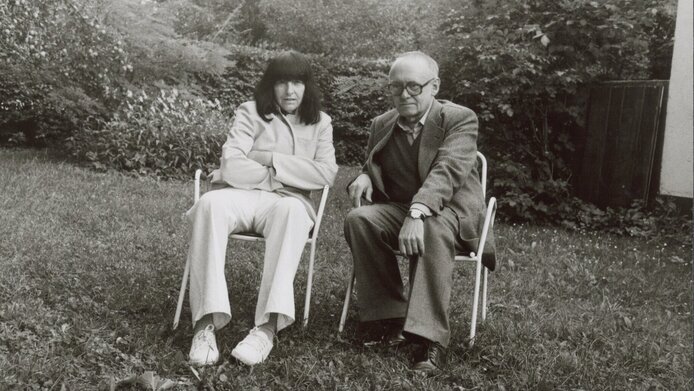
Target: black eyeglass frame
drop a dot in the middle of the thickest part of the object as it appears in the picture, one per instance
(412, 88)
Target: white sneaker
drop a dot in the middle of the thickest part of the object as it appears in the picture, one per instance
(203, 350)
(254, 349)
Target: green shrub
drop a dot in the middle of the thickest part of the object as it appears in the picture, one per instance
(168, 135)
(160, 46)
(56, 64)
(357, 28)
(66, 65)
(522, 66)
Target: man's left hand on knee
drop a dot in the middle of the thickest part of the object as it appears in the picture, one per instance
(411, 237)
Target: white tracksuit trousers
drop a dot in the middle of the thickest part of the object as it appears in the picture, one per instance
(285, 225)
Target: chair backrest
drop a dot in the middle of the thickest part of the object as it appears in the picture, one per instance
(483, 173)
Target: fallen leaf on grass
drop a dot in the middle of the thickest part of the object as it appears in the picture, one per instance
(676, 259)
(627, 322)
(195, 372)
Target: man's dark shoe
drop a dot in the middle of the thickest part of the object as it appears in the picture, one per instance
(429, 358)
(386, 332)
(394, 338)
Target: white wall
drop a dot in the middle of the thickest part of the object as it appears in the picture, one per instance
(676, 170)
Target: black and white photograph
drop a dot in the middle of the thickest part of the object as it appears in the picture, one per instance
(346, 195)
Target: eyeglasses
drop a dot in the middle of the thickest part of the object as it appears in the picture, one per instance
(412, 88)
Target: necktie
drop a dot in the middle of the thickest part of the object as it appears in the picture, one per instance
(410, 134)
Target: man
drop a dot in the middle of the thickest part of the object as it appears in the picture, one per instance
(421, 177)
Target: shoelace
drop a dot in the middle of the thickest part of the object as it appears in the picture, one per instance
(433, 353)
(204, 336)
(258, 336)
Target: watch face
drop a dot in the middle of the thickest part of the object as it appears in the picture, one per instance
(415, 214)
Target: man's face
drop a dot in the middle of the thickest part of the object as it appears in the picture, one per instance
(413, 70)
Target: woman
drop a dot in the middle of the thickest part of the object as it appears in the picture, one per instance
(278, 149)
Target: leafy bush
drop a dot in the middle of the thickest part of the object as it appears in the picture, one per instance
(67, 64)
(523, 66)
(168, 135)
(161, 47)
(56, 63)
(385, 27)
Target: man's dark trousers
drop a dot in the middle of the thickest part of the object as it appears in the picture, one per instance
(372, 234)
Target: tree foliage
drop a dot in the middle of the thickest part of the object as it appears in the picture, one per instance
(57, 62)
(354, 28)
(77, 65)
(522, 66)
(161, 47)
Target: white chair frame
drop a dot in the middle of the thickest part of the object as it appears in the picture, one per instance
(252, 237)
(473, 257)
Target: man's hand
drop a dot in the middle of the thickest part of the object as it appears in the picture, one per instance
(411, 237)
(361, 186)
(262, 157)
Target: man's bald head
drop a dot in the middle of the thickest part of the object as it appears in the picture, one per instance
(413, 84)
(422, 60)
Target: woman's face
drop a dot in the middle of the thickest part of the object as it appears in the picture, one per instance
(289, 94)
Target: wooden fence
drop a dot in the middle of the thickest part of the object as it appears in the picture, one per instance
(622, 154)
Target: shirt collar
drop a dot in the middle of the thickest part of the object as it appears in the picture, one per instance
(418, 126)
(287, 118)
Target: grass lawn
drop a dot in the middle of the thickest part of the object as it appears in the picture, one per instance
(90, 266)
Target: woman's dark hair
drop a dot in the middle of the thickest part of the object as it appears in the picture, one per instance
(286, 67)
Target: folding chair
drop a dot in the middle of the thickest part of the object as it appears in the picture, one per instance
(475, 257)
(253, 237)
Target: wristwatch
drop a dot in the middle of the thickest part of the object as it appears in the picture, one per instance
(415, 214)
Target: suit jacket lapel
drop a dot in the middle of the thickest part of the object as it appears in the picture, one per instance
(432, 137)
(382, 137)
(385, 134)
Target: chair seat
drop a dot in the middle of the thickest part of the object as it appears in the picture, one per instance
(250, 236)
(256, 237)
(458, 257)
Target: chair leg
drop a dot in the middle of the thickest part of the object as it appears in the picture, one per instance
(181, 294)
(484, 295)
(345, 306)
(309, 282)
(475, 300)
